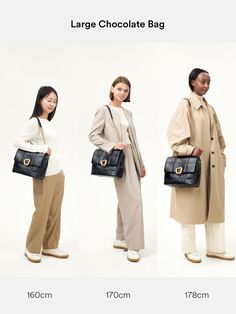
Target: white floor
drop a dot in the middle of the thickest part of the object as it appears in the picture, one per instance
(100, 262)
(172, 263)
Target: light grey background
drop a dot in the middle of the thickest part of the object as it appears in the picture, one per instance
(50, 20)
(27, 26)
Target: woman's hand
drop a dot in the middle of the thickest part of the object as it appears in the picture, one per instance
(49, 151)
(197, 151)
(143, 171)
(120, 146)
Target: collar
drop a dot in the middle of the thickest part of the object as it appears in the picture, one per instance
(197, 101)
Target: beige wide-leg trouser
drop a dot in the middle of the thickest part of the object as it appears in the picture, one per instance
(44, 231)
(215, 238)
(130, 209)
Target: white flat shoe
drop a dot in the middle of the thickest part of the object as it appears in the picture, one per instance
(33, 257)
(55, 253)
(120, 244)
(133, 256)
(225, 256)
(193, 257)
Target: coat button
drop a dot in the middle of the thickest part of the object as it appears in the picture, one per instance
(212, 152)
(212, 138)
(213, 166)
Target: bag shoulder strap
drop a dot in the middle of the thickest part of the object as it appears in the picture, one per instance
(109, 109)
(189, 103)
(41, 130)
(117, 132)
(189, 110)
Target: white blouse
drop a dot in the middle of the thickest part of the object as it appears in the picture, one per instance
(119, 113)
(30, 139)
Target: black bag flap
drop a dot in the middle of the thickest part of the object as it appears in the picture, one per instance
(182, 164)
(101, 157)
(29, 159)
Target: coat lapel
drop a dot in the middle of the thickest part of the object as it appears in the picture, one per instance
(211, 116)
(131, 132)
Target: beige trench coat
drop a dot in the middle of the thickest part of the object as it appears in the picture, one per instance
(104, 136)
(193, 126)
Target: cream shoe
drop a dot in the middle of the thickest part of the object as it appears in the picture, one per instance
(33, 257)
(225, 256)
(193, 257)
(133, 256)
(55, 253)
(120, 244)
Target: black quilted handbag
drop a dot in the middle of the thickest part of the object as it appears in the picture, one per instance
(32, 164)
(182, 171)
(104, 164)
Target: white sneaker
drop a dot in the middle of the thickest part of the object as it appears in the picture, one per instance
(193, 257)
(120, 244)
(133, 256)
(225, 256)
(55, 253)
(33, 257)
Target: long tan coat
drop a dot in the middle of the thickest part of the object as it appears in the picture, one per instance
(199, 126)
(104, 136)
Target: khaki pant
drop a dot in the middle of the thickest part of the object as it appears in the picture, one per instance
(130, 209)
(44, 231)
(215, 238)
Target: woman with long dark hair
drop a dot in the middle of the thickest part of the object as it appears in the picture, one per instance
(195, 130)
(44, 232)
(129, 231)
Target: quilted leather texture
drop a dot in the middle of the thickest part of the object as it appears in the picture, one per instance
(182, 171)
(30, 164)
(104, 164)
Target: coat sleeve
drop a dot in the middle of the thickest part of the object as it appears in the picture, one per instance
(96, 135)
(27, 137)
(220, 137)
(179, 131)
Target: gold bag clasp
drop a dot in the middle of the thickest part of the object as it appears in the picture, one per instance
(26, 162)
(103, 162)
(178, 170)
